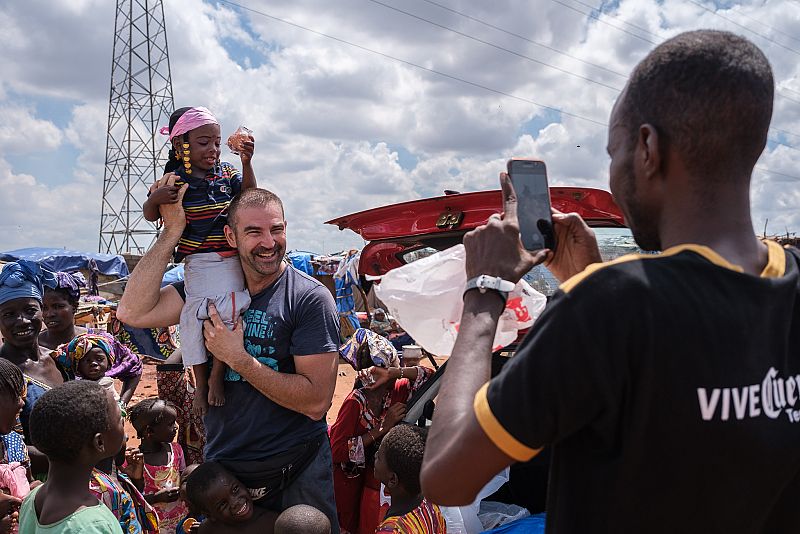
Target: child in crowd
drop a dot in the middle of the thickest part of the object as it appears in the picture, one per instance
(15, 472)
(76, 425)
(116, 490)
(397, 465)
(226, 503)
(302, 519)
(158, 476)
(195, 516)
(98, 355)
(212, 269)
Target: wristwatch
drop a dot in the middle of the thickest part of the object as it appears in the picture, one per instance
(485, 282)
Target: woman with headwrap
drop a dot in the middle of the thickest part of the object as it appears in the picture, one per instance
(59, 305)
(97, 355)
(375, 405)
(212, 273)
(22, 285)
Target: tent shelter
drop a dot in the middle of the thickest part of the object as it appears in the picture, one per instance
(56, 259)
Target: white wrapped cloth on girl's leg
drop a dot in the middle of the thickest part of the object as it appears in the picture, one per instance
(210, 279)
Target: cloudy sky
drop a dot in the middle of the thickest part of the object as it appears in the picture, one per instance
(397, 100)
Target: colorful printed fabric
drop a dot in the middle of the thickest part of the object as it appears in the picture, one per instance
(145, 512)
(72, 282)
(381, 351)
(159, 477)
(24, 279)
(123, 363)
(14, 449)
(156, 343)
(110, 493)
(174, 386)
(426, 518)
(34, 390)
(206, 205)
(354, 483)
(14, 482)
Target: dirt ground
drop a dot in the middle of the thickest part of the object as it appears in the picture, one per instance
(147, 388)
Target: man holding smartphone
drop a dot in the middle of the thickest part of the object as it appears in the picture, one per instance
(668, 385)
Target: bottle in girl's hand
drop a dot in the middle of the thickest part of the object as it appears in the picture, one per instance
(238, 137)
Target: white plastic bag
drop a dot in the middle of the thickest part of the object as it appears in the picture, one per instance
(496, 514)
(464, 519)
(426, 299)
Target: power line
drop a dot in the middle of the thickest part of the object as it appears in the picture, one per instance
(779, 92)
(518, 36)
(498, 28)
(768, 171)
(445, 75)
(415, 65)
(598, 19)
(498, 47)
(742, 26)
(785, 132)
(776, 30)
(630, 24)
(791, 91)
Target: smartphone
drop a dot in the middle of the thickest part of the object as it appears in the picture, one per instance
(529, 177)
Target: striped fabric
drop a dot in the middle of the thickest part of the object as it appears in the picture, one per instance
(205, 204)
(426, 518)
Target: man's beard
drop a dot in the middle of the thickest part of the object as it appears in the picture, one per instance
(262, 266)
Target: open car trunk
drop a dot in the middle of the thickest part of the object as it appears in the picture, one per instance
(401, 233)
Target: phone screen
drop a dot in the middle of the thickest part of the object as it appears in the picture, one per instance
(533, 203)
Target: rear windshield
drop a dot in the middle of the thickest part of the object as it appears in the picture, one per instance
(613, 243)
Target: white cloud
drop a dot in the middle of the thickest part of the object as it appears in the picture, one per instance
(38, 215)
(325, 113)
(23, 133)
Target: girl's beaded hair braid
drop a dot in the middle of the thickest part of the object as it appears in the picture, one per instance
(147, 413)
(176, 158)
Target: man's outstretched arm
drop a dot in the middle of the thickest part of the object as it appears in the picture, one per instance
(461, 454)
(144, 304)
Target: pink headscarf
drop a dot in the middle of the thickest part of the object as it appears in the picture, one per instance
(193, 118)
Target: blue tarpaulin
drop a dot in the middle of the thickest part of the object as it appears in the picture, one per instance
(173, 275)
(302, 261)
(56, 259)
(529, 525)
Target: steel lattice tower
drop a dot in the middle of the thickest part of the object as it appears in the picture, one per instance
(140, 102)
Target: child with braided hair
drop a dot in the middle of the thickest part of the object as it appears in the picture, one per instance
(213, 273)
(157, 473)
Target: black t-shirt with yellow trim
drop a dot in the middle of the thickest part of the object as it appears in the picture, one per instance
(669, 387)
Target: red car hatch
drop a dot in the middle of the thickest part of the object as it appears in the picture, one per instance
(396, 230)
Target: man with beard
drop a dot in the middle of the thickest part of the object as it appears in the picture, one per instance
(667, 385)
(271, 433)
(22, 286)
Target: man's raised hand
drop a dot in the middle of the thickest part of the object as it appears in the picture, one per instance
(495, 248)
(577, 246)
